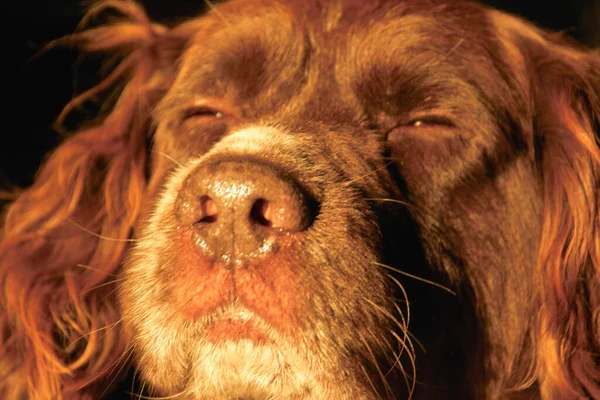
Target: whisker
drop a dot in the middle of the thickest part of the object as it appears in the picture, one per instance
(452, 50)
(111, 365)
(403, 326)
(405, 295)
(368, 174)
(388, 389)
(412, 359)
(405, 344)
(106, 327)
(438, 285)
(103, 284)
(405, 341)
(168, 157)
(132, 389)
(369, 380)
(386, 313)
(142, 389)
(109, 293)
(123, 362)
(389, 200)
(102, 237)
(89, 267)
(214, 9)
(395, 355)
(170, 397)
(411, 337)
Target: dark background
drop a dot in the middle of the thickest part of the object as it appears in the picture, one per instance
(45, 81)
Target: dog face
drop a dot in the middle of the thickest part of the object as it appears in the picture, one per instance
(321, 124)
(343, 201)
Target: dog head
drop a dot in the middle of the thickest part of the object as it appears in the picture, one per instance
(340, 200)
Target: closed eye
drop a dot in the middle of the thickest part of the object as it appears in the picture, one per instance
(204, 112)
(431, 121)
(423, 126)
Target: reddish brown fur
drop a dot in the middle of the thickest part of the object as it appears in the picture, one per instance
(497, 201)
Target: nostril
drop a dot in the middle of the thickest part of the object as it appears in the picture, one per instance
(209, 210)
(261, 213)
(286, 209)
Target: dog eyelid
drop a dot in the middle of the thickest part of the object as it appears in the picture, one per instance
(203, 111)
(428, 121)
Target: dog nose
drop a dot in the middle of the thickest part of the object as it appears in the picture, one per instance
(239, 210)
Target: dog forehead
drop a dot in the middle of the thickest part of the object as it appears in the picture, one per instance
(273, 30)
(326, 60)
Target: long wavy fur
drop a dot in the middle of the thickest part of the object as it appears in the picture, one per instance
(64, 239)
(568, 331)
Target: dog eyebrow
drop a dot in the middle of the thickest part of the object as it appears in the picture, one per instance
(171, 103)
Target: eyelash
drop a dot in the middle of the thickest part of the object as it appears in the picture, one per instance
(202, 112)
(430, 121)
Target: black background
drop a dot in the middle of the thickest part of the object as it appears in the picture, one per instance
(45, 81)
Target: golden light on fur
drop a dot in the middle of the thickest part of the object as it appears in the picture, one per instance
(465, 161)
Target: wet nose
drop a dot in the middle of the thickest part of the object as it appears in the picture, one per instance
(240, 209)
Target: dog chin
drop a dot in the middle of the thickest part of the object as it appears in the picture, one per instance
(247, 370)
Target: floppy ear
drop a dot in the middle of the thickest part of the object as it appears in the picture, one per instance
(64, 238)
(566, 91)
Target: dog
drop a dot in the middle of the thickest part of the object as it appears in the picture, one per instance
(315, 199)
